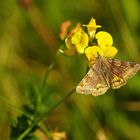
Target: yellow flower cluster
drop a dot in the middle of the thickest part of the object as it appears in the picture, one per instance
(90, 43)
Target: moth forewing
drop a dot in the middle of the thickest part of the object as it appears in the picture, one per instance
(94, 82)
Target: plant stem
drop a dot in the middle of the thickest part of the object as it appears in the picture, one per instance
(43, 85)
(45, 79)
(26, 132)
(50, 68)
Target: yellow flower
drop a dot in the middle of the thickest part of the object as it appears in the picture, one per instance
(92, 27)
(76, 43)
(105, 41)
(92, 54)
(104, 48)
(71, 49)
(109, 51)
(80, 40)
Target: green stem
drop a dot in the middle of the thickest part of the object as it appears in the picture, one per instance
(28, 130)
(45, 79)
(50, 68)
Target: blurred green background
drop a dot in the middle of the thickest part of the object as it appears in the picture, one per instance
(29, 39)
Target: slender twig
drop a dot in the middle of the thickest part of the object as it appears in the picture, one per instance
(50, 68)
(28, 130)
(43, 85)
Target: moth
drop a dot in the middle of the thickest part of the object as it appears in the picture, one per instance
(106, 73)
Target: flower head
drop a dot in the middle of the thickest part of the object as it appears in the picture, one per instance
(91, 44)
(76, 43)
(80, 40)
(104, 48)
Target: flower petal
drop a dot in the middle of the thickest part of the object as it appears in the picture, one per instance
(80, 49)
(68, 43)
(80, 40)
(91, 27)
(71, 48)
(92, 52)
(104, 38)
(64, 29)
(109, 51)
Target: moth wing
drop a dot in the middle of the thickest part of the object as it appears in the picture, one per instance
(121, 71)
(93, 82)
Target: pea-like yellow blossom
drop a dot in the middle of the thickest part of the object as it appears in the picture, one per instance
(104, 48)
(109, 51)
(76, 43)
(92, 54)
(80, 40)
(105, 41)
(71, 49)
(92, 27)
(104, 38)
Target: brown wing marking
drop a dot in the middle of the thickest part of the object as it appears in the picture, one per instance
(93, 82)
(121, 72)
